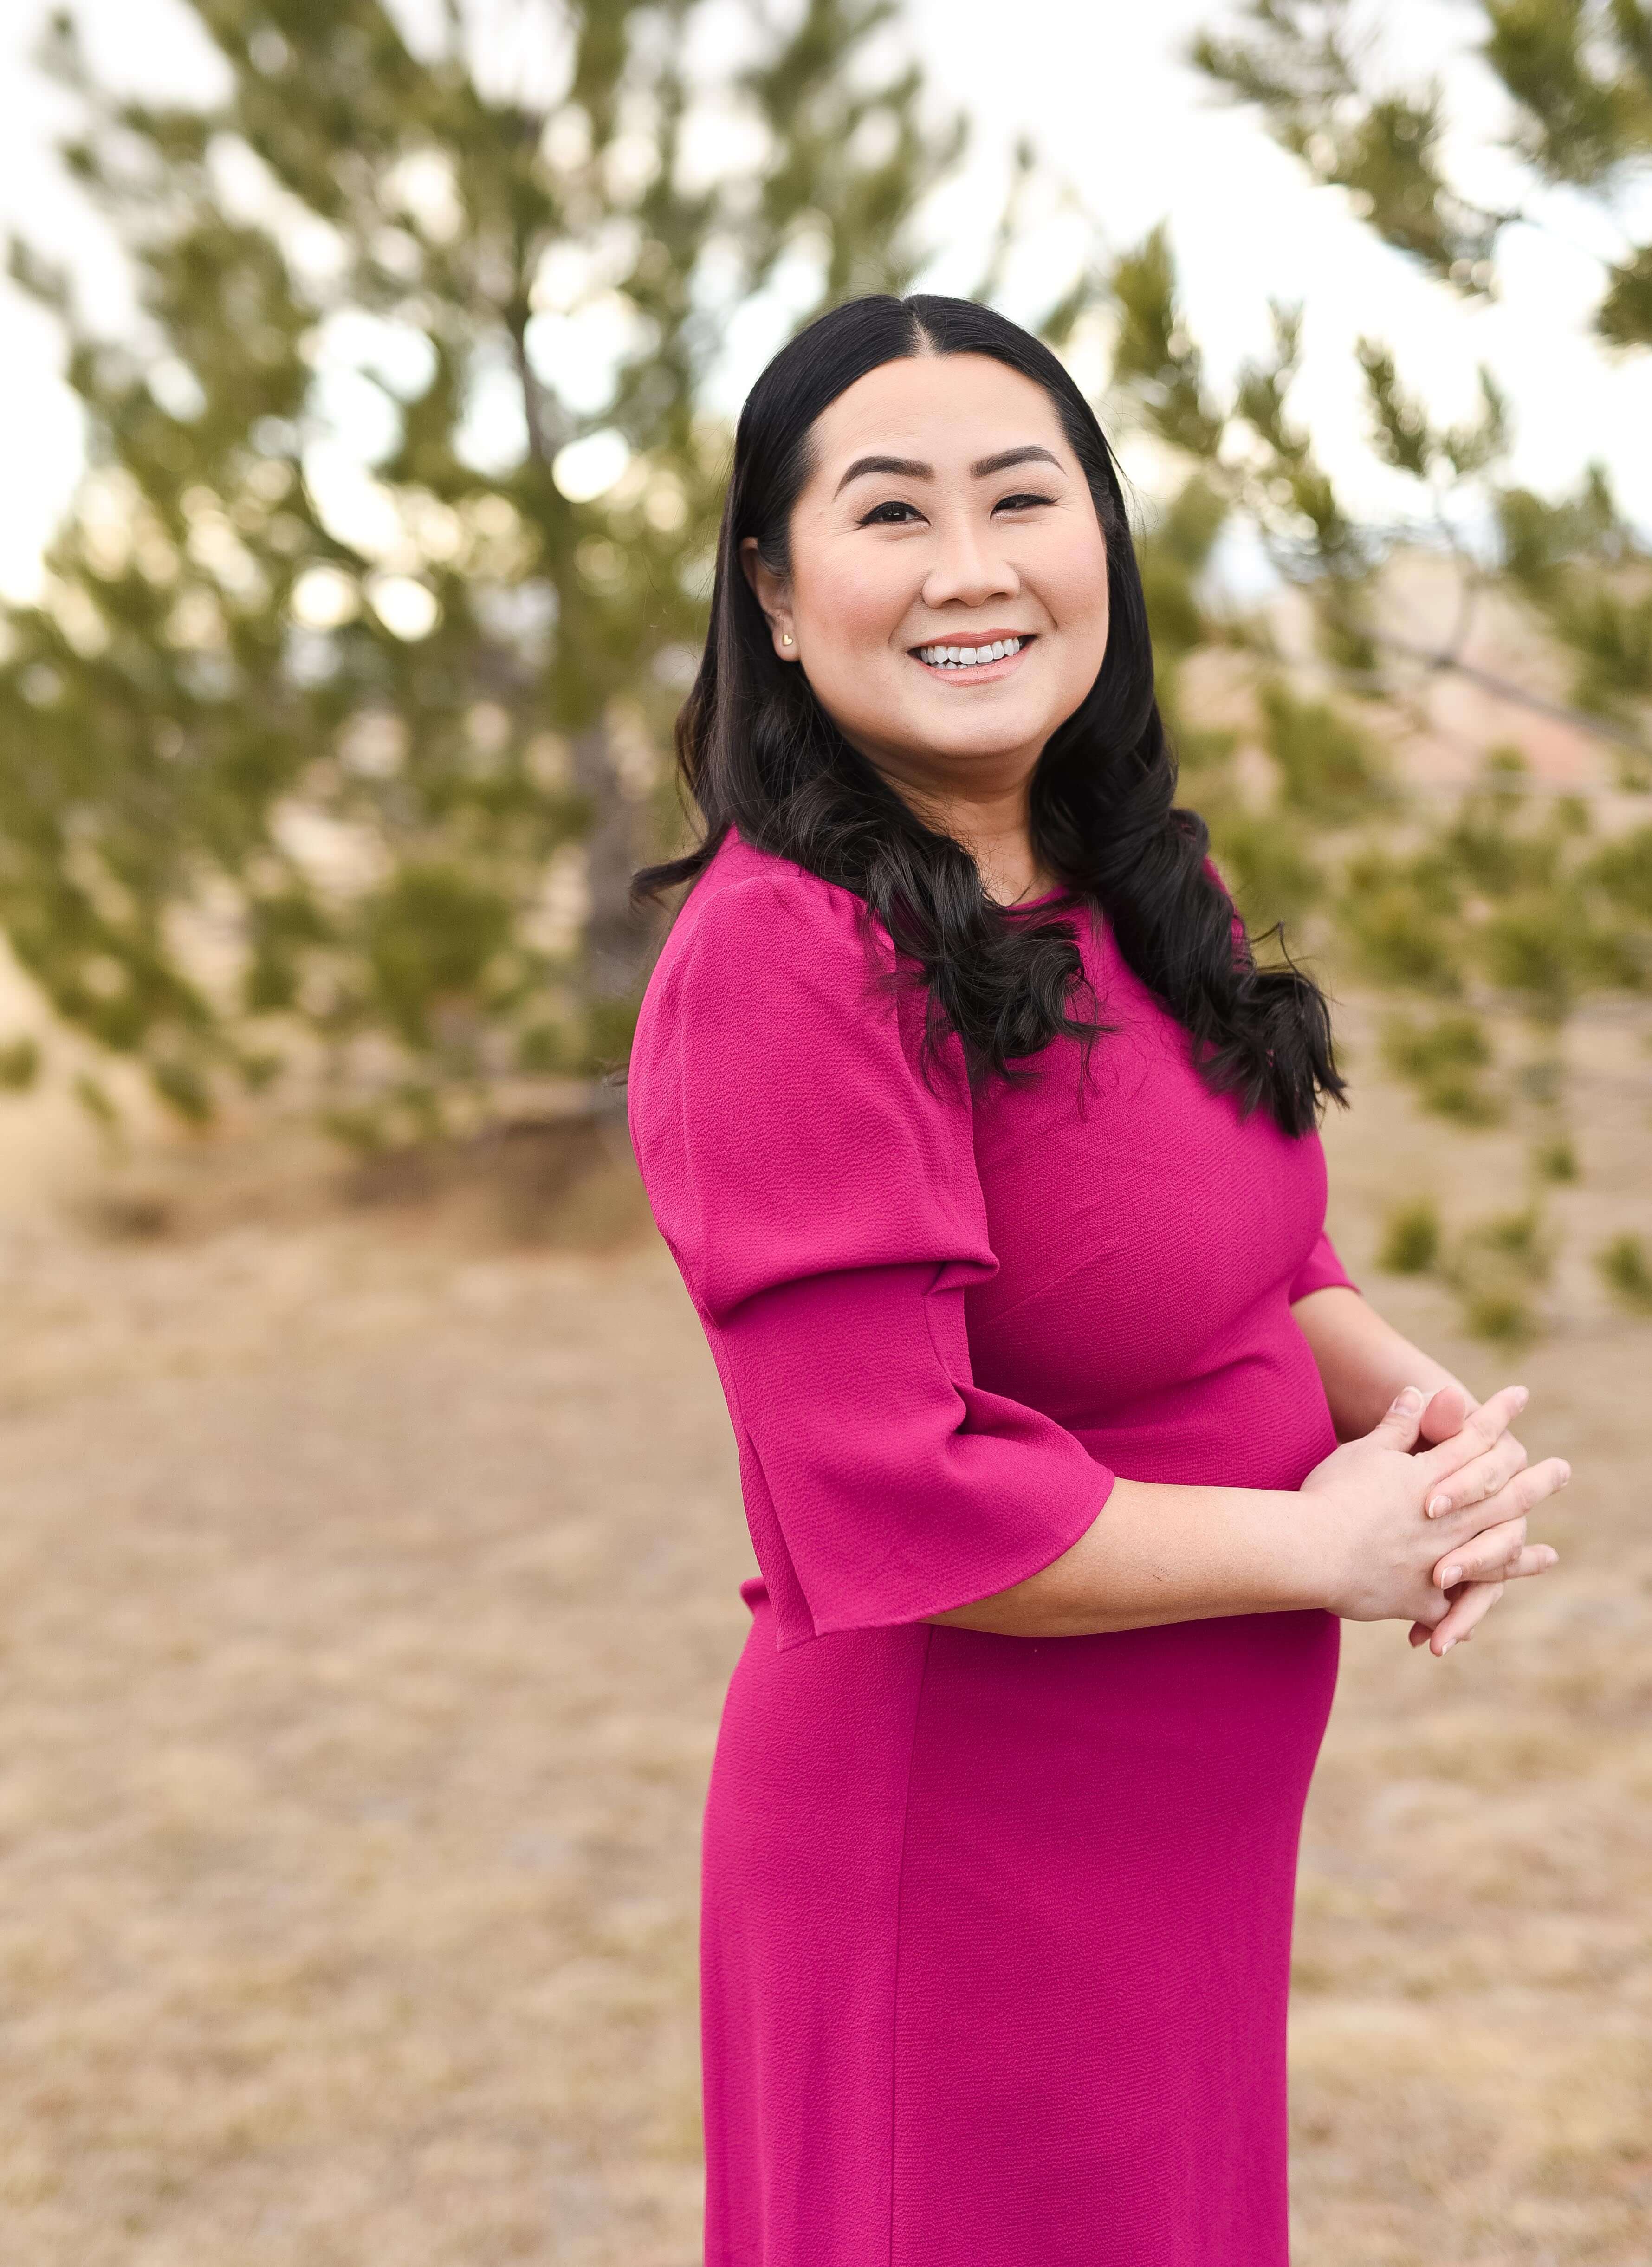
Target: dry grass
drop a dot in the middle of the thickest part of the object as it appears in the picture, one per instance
(372, 1592)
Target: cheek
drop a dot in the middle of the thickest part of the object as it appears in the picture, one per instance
(850, 606)
(1077, 584)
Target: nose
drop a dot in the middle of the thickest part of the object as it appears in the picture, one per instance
(968, 565)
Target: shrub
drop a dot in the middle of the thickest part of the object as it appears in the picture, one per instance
(1440, 1059)
(1625, 1270)
(1411, 1239)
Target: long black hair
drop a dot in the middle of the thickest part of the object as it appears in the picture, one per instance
(757, 752)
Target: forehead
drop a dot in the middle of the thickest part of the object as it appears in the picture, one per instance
(944, 409)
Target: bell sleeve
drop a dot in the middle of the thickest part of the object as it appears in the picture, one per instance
(816, 1182)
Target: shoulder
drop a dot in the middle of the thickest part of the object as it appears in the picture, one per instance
(747, 897)
(759, 936)
(777, 997)
(778, 1103)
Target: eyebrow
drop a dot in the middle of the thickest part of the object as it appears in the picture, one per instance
(909, 469)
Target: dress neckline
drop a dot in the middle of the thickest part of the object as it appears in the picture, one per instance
(1030, 905)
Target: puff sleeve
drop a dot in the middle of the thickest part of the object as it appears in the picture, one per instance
(818, 1192)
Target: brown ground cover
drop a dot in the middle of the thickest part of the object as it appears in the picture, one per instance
(370, 1579)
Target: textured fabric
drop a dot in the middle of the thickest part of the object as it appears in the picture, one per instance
(996, 1930)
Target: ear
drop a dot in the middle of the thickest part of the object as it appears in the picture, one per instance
(773, 594)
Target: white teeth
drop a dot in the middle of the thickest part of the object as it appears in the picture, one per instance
(968, 657)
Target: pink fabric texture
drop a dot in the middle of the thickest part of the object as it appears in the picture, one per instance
(996, 1930)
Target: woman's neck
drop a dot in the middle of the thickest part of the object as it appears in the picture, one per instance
(994, 829)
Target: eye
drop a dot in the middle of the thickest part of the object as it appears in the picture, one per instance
(884, 515)
(1020, 503)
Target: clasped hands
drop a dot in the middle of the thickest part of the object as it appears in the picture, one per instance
(1434, 1502)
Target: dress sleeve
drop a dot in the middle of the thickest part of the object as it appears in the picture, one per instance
(1321, 1271)
(819, 1192)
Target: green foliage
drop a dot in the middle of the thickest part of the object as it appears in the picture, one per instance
(1398, 915)
(345, 701)
(1555, 1160)
(1501, 1315)
(1267, 860)
(1300, 63)
(1328, 768)
(1154, 354)
(1622, 1267)
(1578, 73)
(434, 939)
(1496, 1266)
(1173, 554)
(19, 1065)
(1622, 871)
(1411, 1239)
(1404, 436)
(1442, 1060)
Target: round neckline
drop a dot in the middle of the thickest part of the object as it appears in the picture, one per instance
(1028, 905)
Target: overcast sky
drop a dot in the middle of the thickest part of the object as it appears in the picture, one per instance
(1100, 88)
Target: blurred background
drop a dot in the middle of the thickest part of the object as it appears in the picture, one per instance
(372, 1533)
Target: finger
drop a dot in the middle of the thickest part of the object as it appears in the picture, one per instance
(1520, 1494)
(1468, 1608)
(1438, 1607)
(1485, 1558)
(1482, 1429)
(1478, 1482)
(1397, 1427)
(1447, 1414)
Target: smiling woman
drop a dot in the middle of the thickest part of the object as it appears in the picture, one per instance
(922, 474)
(989, 1159)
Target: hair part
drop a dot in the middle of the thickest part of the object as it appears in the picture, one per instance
(756, 751)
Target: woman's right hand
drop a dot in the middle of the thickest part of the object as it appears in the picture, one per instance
(1390, 1560)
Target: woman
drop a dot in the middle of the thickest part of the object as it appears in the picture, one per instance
(989, 1161)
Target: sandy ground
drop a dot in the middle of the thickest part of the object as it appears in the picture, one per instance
(371, 1579)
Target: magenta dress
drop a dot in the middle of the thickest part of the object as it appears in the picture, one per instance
(996, 1930)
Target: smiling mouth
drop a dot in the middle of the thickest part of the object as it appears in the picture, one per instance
(985, 658)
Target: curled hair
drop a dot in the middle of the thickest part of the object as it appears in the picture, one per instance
(757, 752)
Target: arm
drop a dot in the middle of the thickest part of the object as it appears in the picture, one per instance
(1354, 1540)
(1363, 1360)
(1169, 1554)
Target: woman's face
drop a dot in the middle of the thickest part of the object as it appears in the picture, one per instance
(945, 511)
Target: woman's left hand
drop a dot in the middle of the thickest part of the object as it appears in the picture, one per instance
(1448, 1411)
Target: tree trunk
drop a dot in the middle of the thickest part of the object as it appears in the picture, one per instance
(618, 941)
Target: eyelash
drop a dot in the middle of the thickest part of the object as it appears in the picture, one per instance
(872, 518)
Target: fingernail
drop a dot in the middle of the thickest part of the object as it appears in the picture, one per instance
(1446, 1647)
(1407, 1402)
(1566, 1476)
(1451, 1575)
(1438, 1505)
(1520, 1396)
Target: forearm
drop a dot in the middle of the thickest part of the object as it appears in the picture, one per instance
(1167, 1554)
(1363, 1361)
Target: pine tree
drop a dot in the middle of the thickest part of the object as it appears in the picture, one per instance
(1509, 906)
(1578, 77)
(306, 757)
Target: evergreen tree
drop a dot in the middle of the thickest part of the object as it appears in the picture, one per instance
(1508, 907)
(1577, 78)
(294, 750)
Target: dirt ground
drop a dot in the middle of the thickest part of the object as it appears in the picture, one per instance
(370, 1574)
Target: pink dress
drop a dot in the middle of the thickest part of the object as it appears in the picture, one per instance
(996, 1930)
